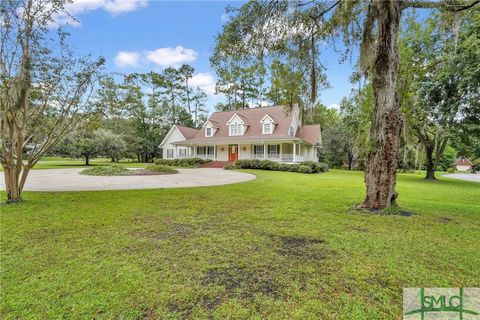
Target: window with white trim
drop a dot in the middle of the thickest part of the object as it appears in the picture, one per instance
(258, 149)
(274, 149)
(208, 132)
(200, 150)
(182, 152)
(235, 129)
(169, 153)
(267, 128)
(210, 150)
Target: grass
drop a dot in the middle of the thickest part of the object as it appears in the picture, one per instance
(64, 163)
(284, 246)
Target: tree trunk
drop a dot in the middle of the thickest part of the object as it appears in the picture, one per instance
(382, 159)
(14, 193)
(430, 163)
(350, 161)
(87, 160)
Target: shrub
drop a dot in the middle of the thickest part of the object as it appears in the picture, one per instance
(106, 171)
(293, 167)
(304, 169)
(323, 167)
(451, 170)
(283, 166)
(186, 163)
(314, 167)
(159, 168)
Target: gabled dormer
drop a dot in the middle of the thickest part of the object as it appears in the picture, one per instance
(210, 128)
(268, 124)
(236, 125)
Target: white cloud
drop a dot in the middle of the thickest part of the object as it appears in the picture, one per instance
(163, 57)
(125, 59)
(204, 81)
(334, 106)
(166, 57)
(114, 7)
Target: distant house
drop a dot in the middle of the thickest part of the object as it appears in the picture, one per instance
(269, 133)
(463, 164)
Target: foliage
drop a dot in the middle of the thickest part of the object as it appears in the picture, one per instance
(440, 87)
(106, 171)
(187, 162)
(451, 170)
(282, 34)
(304, 167)
(143, 107)
(88, 144)
(159, 168)
(45, 89)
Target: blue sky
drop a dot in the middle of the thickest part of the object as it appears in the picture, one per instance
(141, 35)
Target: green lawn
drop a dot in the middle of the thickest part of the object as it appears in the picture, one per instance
(63, 163)
(284, 246)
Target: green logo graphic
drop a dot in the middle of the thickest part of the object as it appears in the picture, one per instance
(441, 303)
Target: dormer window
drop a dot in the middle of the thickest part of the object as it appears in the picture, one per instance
(268, 124)
(235, 129)
(210, 128)
(267, 128)
(236, 125)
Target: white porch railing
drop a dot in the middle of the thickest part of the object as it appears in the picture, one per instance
(203, 156)
(274, 157)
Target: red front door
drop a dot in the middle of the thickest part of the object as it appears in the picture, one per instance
(233, 153)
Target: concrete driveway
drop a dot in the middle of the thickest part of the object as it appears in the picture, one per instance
(71, 180)
(475, 177)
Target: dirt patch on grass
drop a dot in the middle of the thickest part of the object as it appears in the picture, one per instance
(444, 219)
(300, 247)
(243, 282)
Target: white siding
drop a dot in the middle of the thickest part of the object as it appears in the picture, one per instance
(175, 136)
(244, 154)
(222, 155)
(463, 168)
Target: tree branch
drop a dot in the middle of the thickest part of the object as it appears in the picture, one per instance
(441, 5)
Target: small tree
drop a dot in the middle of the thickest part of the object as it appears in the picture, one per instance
(110, 144)
(44, 92)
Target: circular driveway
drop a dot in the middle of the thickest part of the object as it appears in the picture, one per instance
(72, 180)
(475, 177)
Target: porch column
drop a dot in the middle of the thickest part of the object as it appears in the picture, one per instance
(214, 152)
(294, 151)
(281, 156)
(264, 151)
(194, 151)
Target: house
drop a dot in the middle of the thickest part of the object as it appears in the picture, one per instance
(463, 164)
(270, 133)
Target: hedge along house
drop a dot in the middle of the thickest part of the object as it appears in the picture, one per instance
(270, 133)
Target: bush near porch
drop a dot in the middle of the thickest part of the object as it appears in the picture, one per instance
(185, 163)
(303, 167)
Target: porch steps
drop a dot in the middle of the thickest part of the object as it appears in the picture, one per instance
(216, 164)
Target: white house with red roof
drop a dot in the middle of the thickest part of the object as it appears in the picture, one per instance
(270, 133)
(463, 164)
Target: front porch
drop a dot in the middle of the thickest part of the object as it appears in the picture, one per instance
(288, 152)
